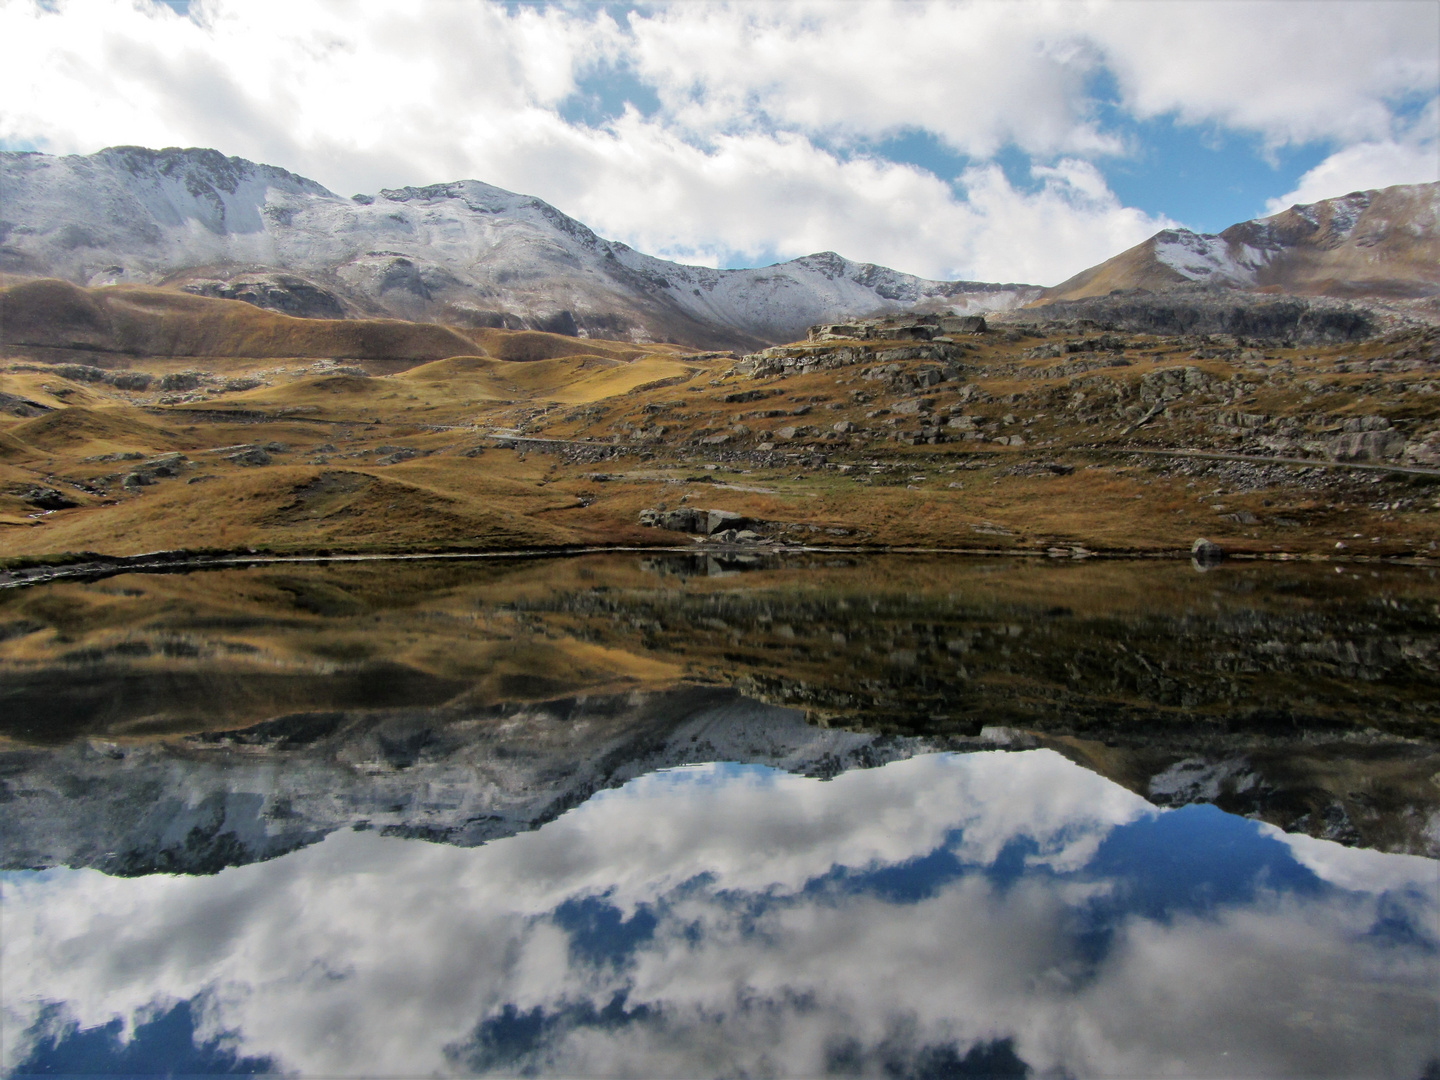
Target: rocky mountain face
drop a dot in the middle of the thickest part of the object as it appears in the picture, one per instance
(460, 776)
(1382, 244)
(465, 776)
(464, 253)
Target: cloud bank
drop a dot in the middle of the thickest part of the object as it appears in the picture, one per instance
(736, 133)
(950, 905)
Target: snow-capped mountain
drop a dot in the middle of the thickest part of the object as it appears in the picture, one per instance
(463, 253)
(202, 803)
(1381, 243)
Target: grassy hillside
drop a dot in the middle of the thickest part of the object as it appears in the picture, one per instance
(116, 323)
(1045, 439)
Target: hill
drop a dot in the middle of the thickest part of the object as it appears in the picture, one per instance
(120, 322)
(1382, 244)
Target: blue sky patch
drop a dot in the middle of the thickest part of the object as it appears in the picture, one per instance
(603, 94)
(163, 1046)
(1194, 859)
(600, 932)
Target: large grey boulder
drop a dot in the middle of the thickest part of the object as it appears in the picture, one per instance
(719, 520)
(1367, 438)
(1206, 553)
(962, 324)
(685, 519)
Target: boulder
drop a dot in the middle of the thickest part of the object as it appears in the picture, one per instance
(181, 380)
(254, 455)
(686, 519)
(1375, 445)
(47, 498)
(718, 520)
(962, 324)
(1366, 423)
(914, 406)
(1206, 553)
(838, 332)
(164, 465)
(1424, 452)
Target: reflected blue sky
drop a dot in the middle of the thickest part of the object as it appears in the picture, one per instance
(951, 915)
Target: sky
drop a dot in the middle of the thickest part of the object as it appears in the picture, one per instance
(996, 140)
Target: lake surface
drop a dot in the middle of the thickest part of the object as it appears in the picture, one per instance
(677, 816)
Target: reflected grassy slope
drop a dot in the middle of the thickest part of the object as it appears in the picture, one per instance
(1285, 691)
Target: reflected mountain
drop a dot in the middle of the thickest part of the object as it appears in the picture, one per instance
(189, 722)
(459, 776)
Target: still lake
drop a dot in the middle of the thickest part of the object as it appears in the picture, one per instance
(674, 815)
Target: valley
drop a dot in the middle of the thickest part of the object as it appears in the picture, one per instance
(1043, 436)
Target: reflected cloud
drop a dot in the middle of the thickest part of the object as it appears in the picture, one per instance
(945, 915)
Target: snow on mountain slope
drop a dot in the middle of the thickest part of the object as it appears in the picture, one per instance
(1382, 243)
(463, 252)
(200, 804)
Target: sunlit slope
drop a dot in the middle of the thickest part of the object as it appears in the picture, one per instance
(317, 508)
(136, 327)
(1382, 243)
(445, 390)
(83, 432)
(55, 314)
(528, 345)
(570, 380)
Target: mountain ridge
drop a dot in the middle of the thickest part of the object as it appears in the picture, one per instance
(463, 252)
(469, 254)
(1381, 244)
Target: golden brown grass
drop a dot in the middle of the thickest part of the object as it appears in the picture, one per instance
(337, 483)
(133, 321)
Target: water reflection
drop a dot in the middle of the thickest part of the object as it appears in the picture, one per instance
(1287, 692)
(947, 915)
(425, 819)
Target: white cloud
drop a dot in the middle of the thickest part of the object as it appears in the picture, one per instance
(1071, 222)
(1291, 72)
(367, 955)
(1362, 167)
(979, 75)
(982, 75)
(361, 94)
(753, 194)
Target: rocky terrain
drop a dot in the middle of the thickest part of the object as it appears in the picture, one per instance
(140, 420)
(465, 254)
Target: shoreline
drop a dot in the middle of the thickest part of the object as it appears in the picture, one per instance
(94, 566)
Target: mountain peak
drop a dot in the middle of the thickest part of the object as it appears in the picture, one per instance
(201, 167)
(1379, 243)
